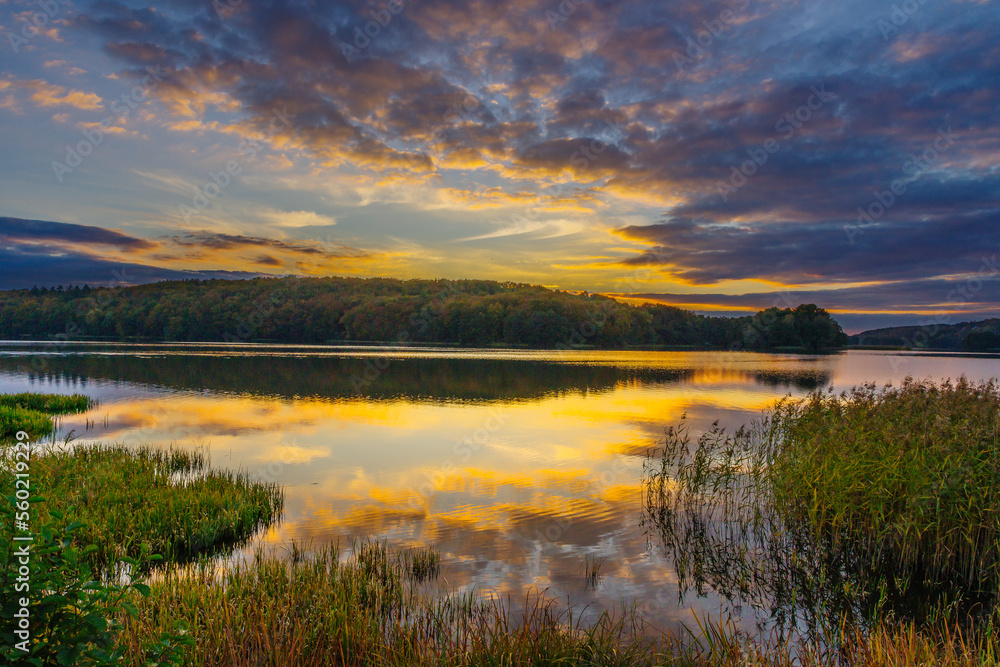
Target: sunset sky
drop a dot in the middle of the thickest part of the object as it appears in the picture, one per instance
(721, 156)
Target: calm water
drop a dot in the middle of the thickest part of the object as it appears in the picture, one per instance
(516, 465)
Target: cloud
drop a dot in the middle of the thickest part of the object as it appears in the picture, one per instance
(218, 241)
(745, 136)
(23, 270)
(44, 94)
(34, 231)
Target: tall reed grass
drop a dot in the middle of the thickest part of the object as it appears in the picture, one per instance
(319, 609)
(878, 504)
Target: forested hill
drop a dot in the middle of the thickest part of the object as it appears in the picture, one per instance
(981, 336)
(464, 312)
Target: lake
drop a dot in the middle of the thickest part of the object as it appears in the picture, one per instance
(518, 466)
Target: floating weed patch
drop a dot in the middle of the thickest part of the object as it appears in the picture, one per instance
(55, 404)
(31, 412)
(168, 500)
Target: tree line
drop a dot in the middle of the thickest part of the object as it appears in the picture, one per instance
(978, 336)
(461, 312)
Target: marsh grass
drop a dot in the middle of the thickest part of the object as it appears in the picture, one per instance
(423, 564)
(592, 570)
(855, 508)
(320, 609)
(168, 500)
(48, 403)
(32, 412)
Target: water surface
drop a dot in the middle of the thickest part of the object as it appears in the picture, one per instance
(516, 465)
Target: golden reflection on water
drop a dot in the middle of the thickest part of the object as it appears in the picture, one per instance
(515, 487)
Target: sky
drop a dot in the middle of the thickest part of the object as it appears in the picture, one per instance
(719, 156)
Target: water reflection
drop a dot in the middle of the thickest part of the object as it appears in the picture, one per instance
(518, 466)
(392, 373)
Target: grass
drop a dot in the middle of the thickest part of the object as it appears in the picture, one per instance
(869, 509)
(906, 475)
(323, 610)
(592, 570)
(320, 609)
(168, 500)
(56, 404)
(32, 412)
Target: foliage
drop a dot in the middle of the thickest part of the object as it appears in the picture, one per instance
(72, 615)
(980, 336)
(981, 341)
(462, 312)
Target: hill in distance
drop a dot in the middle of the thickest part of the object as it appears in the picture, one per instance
(980, 336)
(361, 310)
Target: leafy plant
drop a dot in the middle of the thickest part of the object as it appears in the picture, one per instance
(71, 614)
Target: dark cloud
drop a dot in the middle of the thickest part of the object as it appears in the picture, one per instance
(16, 230)
(218, 241)
(23, 270)
(821, 110)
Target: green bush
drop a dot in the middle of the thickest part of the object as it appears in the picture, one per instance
(72, 615)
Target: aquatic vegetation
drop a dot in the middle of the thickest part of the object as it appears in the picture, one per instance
(871, 504)
(592, 569)
(48, 403)
(322, 610)
(31, 412)
(168, 500)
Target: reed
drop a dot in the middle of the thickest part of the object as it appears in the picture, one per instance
(875, 504)
(320, 609)
(592, 570)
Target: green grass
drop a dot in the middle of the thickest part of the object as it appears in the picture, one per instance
(49, 403)
(869, 505)
(169, 500)
(31, 412)
(907, 476)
